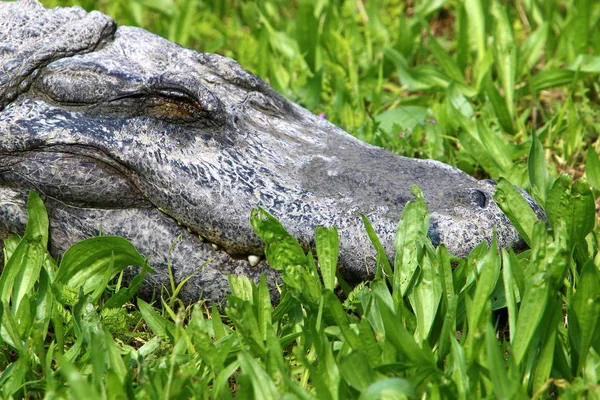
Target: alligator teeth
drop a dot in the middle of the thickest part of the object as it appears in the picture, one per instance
(253, 260)
(214, 246)
(201, 239)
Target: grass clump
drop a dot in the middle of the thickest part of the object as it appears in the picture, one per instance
(497, 325)
(508, 93)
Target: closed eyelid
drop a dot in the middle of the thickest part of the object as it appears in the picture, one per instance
(100, 93)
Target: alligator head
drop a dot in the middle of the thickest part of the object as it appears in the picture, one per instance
(126, 133)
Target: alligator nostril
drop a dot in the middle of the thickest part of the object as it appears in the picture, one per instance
(479, 198)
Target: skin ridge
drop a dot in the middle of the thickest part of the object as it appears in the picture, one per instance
(128, 134)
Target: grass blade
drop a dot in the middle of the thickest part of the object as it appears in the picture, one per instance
(503, 386)
(22, 270)
(328, 245)
(383, 263)
(412, 232)
(592, 168)
(476, 20)
(391, 388)
(81, 388)
(402, 340)
(426, 295)
(159, 325)
(545, 361)
(91, 263)
(262, 385)
(516, 208)
(506, 60)
(282, 249)
(572, 205)
(584, 315)
(538, 169)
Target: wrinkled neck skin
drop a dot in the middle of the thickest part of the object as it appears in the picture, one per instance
(137, 136)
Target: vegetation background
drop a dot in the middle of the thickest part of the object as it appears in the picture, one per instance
(506, 90)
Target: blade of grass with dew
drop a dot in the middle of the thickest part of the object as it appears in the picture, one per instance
(241, 287)
(25, 315)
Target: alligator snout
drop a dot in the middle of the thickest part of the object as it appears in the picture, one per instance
(135, 136)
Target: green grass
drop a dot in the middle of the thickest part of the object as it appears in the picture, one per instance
(506, 92)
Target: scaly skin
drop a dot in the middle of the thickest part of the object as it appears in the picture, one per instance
(126, 133)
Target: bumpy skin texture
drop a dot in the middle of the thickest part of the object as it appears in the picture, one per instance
(126, 133)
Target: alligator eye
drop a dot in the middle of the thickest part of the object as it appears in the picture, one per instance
(99, 93)
(169, 105)
(174, 106)
(175, 111)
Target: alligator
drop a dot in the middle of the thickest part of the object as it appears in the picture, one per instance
(126, 133)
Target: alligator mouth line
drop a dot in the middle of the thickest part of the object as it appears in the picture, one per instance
(127, 180)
